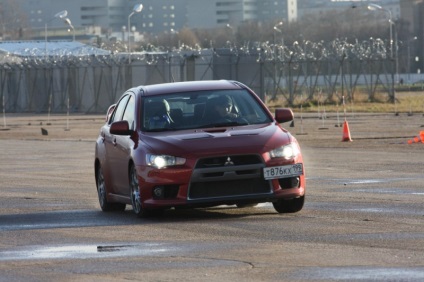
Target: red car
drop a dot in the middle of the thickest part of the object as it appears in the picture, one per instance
(196, 144)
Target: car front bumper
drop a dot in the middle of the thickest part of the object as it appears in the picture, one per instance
(172, 187)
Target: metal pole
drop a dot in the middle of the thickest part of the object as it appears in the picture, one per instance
(68, 22)
(396, 56)
(393, 59)
(136, 9)
(391, 36)
(45, 39)
(129, 47)
(275, 29)
(374, 7)
(4, 112)
(409, 54)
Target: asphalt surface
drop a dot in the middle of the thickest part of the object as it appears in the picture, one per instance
(363, 219)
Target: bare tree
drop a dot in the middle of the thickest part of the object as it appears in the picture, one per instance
(187, 36)
(13, 21)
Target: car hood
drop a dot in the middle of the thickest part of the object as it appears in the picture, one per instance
(217, 141)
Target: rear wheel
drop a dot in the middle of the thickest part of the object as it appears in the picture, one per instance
(289, 206)
(102, 194)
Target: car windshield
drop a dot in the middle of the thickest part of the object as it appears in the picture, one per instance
(201, 109)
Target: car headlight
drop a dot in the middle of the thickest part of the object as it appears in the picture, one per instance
(161, 161)
(288, 152)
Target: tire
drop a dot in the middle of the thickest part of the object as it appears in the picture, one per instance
(102, 192)
(289, 206)
(136, 198)
(135, 192)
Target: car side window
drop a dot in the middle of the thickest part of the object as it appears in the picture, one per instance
(120, 107)
(129, 113)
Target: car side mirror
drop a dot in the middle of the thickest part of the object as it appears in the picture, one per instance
(120, 128)
(283, 115)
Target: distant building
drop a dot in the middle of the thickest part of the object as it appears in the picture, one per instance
(165, 15)
(88, 17)
(109, 14)
(319, 7)
(157, 15)
(172, 15)
(216, 13)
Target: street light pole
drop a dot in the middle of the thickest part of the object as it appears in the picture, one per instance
(375, 7)
(136, 9)
(60, 15)
(233, 34)
(68, 22)
(275, 29)
(409, 53)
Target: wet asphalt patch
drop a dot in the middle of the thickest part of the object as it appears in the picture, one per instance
(87, 251)
(359, 273)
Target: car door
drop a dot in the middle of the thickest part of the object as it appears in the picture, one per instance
(122, 150)
(112, 153)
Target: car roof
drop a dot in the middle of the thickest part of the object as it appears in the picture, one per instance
(187, 86)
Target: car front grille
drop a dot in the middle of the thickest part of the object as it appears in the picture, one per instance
(229, 160)
(228, 176)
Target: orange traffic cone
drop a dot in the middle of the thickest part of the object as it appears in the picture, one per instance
(417, 139)
(346, 132)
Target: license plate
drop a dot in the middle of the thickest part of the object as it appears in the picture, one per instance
(283, 171)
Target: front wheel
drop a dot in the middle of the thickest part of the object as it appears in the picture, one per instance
(102, 194)
(289, 206)
(135, 193)
(136, 197)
